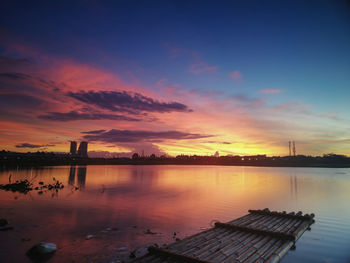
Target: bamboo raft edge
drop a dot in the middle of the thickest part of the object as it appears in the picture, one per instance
(260, 236)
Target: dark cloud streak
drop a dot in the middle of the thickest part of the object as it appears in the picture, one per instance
(114, 136)
(14, 76)
(127, 102)
(7, 63)
(32, 146)
(94, 132)
(75, 116)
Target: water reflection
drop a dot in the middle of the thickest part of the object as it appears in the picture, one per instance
(71, 177)
(80, 174)
(81, 177)
(168, 199)
(293, 182)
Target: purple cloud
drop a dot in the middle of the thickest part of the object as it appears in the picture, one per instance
(113, 136)
(200, 67)
(127, 102)
(13, 100)
(270, 91)
(76, 116)
(14, 76)
(94, 132)
(33, 146)
(10, 64)
(236, 75)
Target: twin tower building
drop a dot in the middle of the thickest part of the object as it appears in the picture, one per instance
(82, 150)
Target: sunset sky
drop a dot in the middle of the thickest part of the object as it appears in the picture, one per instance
(191, 77)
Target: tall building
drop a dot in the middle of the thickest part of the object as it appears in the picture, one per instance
(73, 147)
(82, 151)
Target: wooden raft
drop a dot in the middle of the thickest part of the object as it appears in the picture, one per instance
(260, 236)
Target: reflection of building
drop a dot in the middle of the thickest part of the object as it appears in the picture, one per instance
(73, 147)
(81, 176)
(79, 173)
(293, 186)
(82, 151)
(71, 177)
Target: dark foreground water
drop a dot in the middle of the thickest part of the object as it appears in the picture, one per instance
(117, 204)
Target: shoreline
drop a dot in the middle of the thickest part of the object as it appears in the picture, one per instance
(36, 165)
(11, 159)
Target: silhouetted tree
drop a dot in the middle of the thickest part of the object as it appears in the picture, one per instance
(135, 156)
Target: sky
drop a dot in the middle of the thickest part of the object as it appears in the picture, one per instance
(175, 77)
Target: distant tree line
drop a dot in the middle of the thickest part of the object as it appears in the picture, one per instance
(9, 159)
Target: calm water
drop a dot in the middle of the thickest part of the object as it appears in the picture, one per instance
(117, 204)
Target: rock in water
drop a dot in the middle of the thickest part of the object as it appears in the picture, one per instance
(4, 225)
(45, 248)
(42, 251)
(3, 222)
(122, 249)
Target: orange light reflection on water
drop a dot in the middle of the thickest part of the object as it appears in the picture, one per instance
(165, 199)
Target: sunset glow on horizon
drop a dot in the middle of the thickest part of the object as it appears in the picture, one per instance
(175, 77)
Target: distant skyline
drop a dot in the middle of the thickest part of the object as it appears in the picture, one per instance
(176, 77)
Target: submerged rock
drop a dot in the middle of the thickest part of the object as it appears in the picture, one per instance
(42, 251)
(149, 232)
(122, 249)
(23, 186)
(4, 226)
(3, 222)
(45, 248)
(88, 237)
(132, 254)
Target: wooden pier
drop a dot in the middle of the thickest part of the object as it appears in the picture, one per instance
(260, 236)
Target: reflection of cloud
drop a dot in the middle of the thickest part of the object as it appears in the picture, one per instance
(74, 116)
(124, 101)
(114, 135)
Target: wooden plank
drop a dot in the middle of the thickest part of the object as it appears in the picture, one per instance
(260, 236)
(210, 243)
(236, 249)
(247, 220)
(290, 215)
(174, 255)
(197, 239)
(279, 235)
(279, 253)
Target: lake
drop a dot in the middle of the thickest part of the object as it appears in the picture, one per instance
(127, 208)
